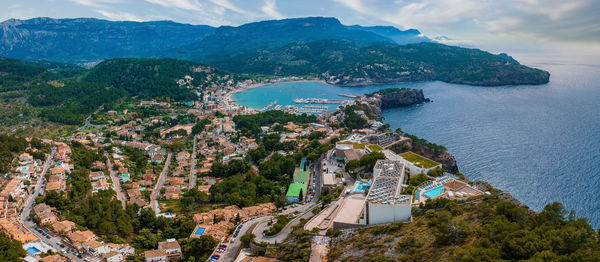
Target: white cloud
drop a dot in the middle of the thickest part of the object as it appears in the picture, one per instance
(541, 19)
(192, 5)
(95, 3)
(120, 16)
(228, 5)
(270, 9)
(356, 5)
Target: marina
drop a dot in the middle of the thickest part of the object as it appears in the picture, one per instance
(320, 101)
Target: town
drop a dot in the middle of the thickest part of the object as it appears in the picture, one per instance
(216, 179)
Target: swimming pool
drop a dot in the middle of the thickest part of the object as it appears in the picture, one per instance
(32, 250)
(361, 187)
(303, 166)
(199, 231)
(434, 192)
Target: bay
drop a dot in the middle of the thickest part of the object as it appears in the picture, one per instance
(540, 143)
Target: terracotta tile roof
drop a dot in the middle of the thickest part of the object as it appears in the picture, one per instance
(155, 253)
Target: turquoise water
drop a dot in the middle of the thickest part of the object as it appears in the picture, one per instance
(303, 166)
(32, 250)
(433, 192)
(361, 187)
(199, 231)
(285, 93)
(540, 143)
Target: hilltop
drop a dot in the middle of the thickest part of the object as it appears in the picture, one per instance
(352, 63)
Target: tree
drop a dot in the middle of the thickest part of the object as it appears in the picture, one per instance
(301, 196)
(199, 126)
(247, 238)
(145, 239)
(10, 250)
(197, 248)
(352, 165)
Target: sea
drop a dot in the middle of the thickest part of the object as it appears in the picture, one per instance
(540, 143)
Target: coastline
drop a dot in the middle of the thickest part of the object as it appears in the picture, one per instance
(229, 95)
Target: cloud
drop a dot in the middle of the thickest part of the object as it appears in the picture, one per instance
(192, 5)
(270, 9)
(95, 3)
(228, 5)
(120, 16)
(356, 5)
(542, 19)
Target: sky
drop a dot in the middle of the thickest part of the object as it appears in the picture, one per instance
(496, 25)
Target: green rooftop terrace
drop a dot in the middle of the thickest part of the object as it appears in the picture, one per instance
(301, 177)
(294, 190)
(419, 161)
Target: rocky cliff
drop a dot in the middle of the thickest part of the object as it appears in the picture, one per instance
(400, 97)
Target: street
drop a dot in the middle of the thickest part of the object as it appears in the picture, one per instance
(53, 241)
(192, 179)
(116, 183)
(159, 184)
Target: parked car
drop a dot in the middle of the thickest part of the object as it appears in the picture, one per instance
(48, 236)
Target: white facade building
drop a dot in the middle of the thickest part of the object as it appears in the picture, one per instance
(385, 202)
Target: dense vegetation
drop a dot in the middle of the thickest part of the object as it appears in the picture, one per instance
(9, 146)
(146, 78)
(250, 124)
(357, 63)
(14, 72)
(491, 229)
(10, 250)
(247, 190)
(72, 102)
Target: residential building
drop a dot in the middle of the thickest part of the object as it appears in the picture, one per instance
(155, 256)
(113, 256)
(171, 248)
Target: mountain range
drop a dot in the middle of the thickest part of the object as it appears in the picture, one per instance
(84, 40)
(319, 46)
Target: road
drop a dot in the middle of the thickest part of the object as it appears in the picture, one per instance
(192, 179)
(159, 184)
(233, 249)
(55, 240)
(40, 179)
(116, 183)
(318, 179)
(306, 213)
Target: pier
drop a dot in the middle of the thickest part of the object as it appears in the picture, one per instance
(269, 105)
(349, 95)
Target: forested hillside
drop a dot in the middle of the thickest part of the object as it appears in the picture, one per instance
(345, 62)
(68, 94)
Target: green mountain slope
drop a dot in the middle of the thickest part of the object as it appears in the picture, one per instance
(344, 62)
(229, 41)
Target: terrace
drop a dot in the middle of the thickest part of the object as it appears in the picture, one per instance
(419, 161)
